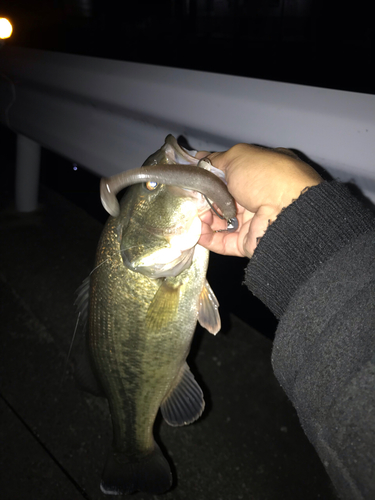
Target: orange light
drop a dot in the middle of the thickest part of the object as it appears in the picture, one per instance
(5, 28)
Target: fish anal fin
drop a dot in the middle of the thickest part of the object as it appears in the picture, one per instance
(164, 306)
(122, 476)
(185, 403)
(208, 313)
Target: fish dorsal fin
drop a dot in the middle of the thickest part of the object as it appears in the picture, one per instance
(208, 314)
(82, 300)
(163, 307)
(185, 402)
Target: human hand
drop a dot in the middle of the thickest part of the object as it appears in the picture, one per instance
(263, 182)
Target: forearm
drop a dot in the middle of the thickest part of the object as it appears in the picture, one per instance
(323, 356)
(306, 234)
(315, 269)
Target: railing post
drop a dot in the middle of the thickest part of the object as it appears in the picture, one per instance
(27, 174)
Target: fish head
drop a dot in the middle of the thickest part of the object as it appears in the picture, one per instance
(171, 153)
(159, 226)
(162, 222)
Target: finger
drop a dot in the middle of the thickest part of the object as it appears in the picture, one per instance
(207, 217)
(202, 154)
(214, 222)
(213, 157)
(221, 243)
(287, 152)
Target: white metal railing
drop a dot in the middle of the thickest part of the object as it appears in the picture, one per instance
(109, 115)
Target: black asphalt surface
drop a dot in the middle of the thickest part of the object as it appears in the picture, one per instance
(54, 438)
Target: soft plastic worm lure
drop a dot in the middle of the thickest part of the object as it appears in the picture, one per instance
(232, 223)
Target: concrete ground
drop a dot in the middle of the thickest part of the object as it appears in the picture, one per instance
(54, 438)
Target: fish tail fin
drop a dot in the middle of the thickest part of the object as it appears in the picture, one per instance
(151, 474)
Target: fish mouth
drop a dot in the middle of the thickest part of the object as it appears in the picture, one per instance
(159, 269)
(171, 250)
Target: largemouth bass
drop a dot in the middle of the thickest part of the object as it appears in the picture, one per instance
(146, 293)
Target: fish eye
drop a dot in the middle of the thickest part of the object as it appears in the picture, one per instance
(151, 185)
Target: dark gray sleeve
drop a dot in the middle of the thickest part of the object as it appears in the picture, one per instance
(318, 276)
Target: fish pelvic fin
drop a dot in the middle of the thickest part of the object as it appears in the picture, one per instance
(208, 313)
(164, 306)
(184, 403)
(151, 474)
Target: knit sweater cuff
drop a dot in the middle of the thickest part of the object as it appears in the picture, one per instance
(309, 231)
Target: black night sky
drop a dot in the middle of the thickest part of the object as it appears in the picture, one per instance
(311, 42)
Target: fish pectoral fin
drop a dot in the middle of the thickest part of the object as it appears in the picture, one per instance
(82, 300)
(164, 307)
(208, 313)
(184, 403)
(83, 372)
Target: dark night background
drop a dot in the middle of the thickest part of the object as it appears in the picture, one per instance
(310, 42)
